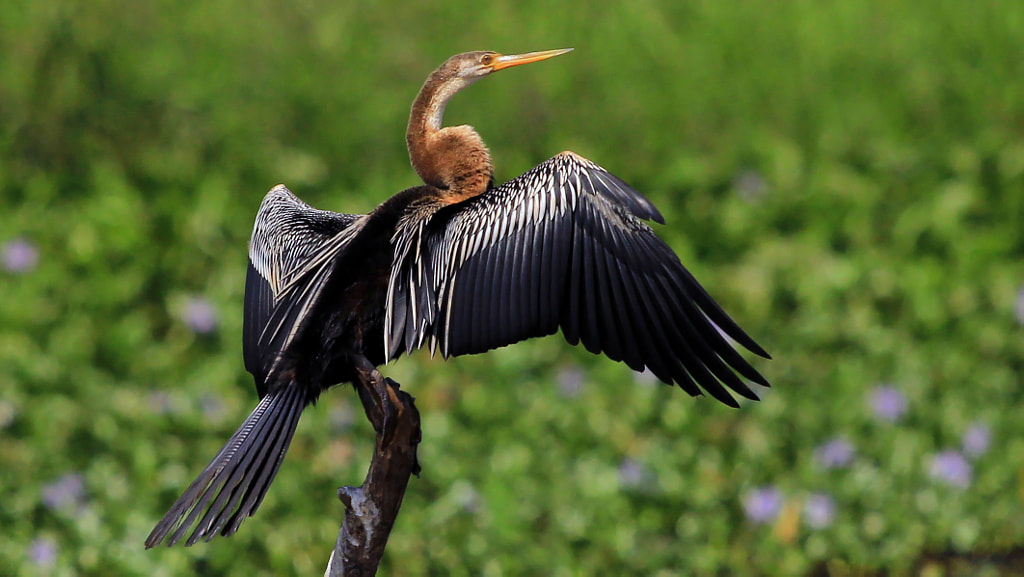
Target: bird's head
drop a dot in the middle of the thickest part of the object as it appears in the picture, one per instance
(472, 66)
(456, 73)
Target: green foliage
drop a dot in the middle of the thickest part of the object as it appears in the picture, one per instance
(847, 178)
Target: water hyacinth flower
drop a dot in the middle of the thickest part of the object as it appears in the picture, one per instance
(977, 439)
(570, 381)
(762, 505)
(837, 453)
(750, 185)
(819, 511)
(343, 418)
(951, 468)
(634, 474)
(19, 256)
(8, 412)
(43, 552)
(211, 405)
(888, 403)
(200, 315)
(65, 493)
(467, 497)
(1020, 305)
(161, 403)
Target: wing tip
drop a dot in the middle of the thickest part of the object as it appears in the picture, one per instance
(748, 343)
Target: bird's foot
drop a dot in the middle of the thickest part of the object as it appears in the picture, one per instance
(380, 401)
(393, 409)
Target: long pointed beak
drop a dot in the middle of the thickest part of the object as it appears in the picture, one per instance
(509, 60)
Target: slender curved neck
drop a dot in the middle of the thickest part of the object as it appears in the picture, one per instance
(425, 122)
(453, 158)
(428, 108)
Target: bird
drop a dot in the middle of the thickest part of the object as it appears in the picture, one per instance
(460, 266)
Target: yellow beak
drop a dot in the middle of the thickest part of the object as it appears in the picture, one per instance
(507, 61)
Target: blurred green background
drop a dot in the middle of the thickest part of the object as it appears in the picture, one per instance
(847, 178)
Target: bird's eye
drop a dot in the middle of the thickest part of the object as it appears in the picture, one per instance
(487, 59)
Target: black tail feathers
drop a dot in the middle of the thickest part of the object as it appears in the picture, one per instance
(232, 486)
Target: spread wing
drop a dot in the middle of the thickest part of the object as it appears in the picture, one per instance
(562, 246)
(291, 253)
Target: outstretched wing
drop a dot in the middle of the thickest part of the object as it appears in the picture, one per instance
(562, 246)
(292, 249)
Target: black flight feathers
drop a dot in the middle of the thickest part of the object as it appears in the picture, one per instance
(563, 246)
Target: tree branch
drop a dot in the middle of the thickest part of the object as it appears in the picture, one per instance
(371, 509)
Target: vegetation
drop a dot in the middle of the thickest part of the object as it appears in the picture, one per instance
(847, 178)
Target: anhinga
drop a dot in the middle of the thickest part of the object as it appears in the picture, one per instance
(464, 265)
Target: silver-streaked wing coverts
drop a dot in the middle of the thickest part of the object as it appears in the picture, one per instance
(562, 246)
(291, 254)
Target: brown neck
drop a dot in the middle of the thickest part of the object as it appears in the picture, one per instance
(454, 159)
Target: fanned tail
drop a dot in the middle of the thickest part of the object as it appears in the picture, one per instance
(232, 486)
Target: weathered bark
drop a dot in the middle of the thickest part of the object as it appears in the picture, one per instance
(371, 509)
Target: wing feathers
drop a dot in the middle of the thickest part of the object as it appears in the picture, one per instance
(291, 253)
(564, 246)
(575, 297)
(718, 316)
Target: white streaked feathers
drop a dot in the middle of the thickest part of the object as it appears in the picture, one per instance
(285, 241)
(545, 193)
(290, 242)
(290, 249)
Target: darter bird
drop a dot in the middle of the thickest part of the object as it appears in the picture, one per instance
(463, 266)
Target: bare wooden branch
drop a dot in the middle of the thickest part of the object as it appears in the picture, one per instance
(371, 509)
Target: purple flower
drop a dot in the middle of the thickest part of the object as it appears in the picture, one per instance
(43, 552)
(19, 256)
(952, 468)
(633, 474)
(8, 412)
(467, 497)
(976, 439)
(343, 418)
(66, 493)
(888, 403)
(199, 315)
(750, 185)
(211, 405)
(835, 454)
(819, 511)
(1020, 305)
(570, 381)
(161, 403)
(763, 504)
